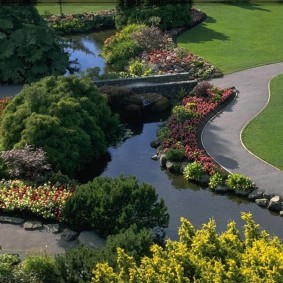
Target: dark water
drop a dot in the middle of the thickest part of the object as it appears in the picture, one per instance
(133, 157)
(86, 49)
(198, 205)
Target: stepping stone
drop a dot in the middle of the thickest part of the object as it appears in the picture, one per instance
(69, 235)
(32, 225)
(262, 202)
(52, 228)
(11, 220)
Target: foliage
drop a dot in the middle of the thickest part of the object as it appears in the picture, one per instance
(138, 68)
(205, 256)
(185, 133)
(26, 163)
(3, 104)
(81, 22)
(171, 15)
(9, 260)
(29, 49)
(42, 267)
(45, 201)
(65, 116)
(109, 205)
(201, 89)
(77, 263)
(239, 182)
(184, 112)
(123, 102)
(122, 46)
(193, 171)
(175, 154)
(217, 180)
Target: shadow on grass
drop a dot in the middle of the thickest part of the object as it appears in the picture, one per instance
(249, 5)
(203, 34)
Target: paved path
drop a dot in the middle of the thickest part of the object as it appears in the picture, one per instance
(221, 137)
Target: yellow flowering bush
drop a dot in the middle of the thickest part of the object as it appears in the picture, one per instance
(204, 256)
(46, 201)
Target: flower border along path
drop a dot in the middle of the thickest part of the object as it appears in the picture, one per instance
(221, 137)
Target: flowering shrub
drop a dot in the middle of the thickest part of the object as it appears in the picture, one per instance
(46, 201)
(183, 112)
(81, 22)
(185, 132)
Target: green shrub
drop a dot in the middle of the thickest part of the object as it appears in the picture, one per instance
(169, 15)
(163, 133)
(65, 116)
(216, 180)
(42, 267)
(239, 182)
(175, 155)
(119, 48)
(183, 113)
(109, 205)
(194, 171)
(9, 260)
(29, 49)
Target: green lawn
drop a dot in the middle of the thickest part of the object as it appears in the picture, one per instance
(68, 8)
(237, 37)
(264, 134)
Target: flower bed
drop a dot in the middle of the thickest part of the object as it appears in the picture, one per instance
(183, 133)
(81, 22)
(44, 201)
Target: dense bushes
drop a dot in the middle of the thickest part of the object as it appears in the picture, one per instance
(170, 16)
(81, 22)
(29, 49)
(203, 255)
(109, 205)
(65, 116)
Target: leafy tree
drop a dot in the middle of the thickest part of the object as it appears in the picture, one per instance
(29, 49)
(204, 256)
(110, 204)
(65, 116)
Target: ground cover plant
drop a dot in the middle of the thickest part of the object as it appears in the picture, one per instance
(232, 47)
(29, 48)
(65, 116)
(203, 255)
(257, 134)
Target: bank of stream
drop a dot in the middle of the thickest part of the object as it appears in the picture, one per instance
(133, 157)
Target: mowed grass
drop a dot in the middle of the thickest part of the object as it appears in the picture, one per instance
(69, 8)
(264, 134)
(237, 37)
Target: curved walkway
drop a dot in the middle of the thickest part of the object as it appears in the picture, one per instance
(221, 136)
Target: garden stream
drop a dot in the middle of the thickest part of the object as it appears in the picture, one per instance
(133, 157)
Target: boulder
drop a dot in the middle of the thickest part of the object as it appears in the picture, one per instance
(52, 228)
(242, 193)
(11, 220)
(221, 189)
(154, 157)
(91, 239)
(68, 235)
(204, 180)
(275, 203)
(262, 202)
(281, 213)
(32, 225)
(266, 195)
(169, 165)
(163, 160)
(255, 194)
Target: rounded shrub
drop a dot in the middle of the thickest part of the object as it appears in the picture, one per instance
(201, 89)
(216, 180)
(108, 205)
(239, 182)
(65, 116)
(193, 171)
(175, 155)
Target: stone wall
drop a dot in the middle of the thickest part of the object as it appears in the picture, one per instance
(167, 85)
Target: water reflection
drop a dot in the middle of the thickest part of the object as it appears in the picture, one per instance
(86, 49)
